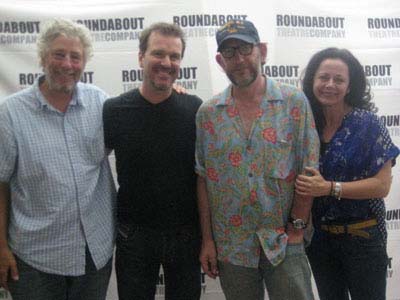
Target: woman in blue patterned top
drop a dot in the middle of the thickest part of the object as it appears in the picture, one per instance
(348, 249)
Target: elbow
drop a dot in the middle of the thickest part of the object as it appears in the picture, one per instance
(384, 190)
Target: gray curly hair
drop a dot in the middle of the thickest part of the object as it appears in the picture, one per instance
(56, 27)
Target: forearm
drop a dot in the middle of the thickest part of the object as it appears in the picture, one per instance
(315, 185)
(204, 209)
(364, 189)
(301, 206)
(377, 186)
(301, 209)
(4, 204)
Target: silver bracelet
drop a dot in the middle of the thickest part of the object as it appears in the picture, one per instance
(338, 190)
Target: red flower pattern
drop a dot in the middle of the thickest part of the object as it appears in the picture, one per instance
(235, 158)
(269, 134)
(232, 111)
(236, 220)
(209, 126)
(212, 174)
(259, 113)
(295, 113)
(290, 176)
(253, 196)
(226, 164)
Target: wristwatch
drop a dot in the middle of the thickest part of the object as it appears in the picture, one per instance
(298, 223)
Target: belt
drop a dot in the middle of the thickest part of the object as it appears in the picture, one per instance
(353, 229)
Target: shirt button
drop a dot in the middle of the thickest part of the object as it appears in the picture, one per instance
(250, 174)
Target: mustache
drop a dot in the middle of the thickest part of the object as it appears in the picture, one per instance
(66, 73)
(239, 67)
(165, 69)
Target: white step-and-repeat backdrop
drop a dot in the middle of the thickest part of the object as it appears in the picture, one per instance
(294, 30)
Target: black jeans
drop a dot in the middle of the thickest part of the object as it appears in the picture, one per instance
(139, 254)
(344, 264)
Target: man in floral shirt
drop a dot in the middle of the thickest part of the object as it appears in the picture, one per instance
(253, 139)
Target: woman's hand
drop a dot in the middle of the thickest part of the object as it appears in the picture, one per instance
(312, 185)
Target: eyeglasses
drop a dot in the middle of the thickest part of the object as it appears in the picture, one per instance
(244, 49)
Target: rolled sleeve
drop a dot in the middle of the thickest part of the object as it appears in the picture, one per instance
(308, 142)
(200, 158)
(8, 146)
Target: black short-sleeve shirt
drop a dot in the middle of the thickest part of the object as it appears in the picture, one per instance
(154, 147)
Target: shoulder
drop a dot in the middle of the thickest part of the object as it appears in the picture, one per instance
(365, 114)
(209, 106)
(286, 92)
(18, 100)
(191, 100)
(365, 118)
(121, 100)
(93, 91)
(366, 125)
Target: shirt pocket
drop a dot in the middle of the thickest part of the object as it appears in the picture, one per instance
(94, 149)
(279, 158)
(279, 171)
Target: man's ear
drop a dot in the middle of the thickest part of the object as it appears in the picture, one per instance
(141, 57)
(263, 52)
(220, 60)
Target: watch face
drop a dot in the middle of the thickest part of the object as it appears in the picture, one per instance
(299, 224)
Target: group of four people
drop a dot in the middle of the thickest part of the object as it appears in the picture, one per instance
(227, 184)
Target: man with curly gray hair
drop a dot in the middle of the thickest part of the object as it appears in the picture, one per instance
(57, 195)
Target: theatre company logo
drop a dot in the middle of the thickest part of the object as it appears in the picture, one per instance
(28, 79)
(379, 75)
(114, 30)
(383, 28)
(310, 26)
(392, 123)
(18, 32)
(283, 73)
(196, 26)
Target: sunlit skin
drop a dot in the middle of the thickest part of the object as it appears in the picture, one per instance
(331, 83)
(64, 64)
(160, 63)
(242, 70)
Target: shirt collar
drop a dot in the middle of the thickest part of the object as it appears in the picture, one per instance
(272, 94)
(42, 103)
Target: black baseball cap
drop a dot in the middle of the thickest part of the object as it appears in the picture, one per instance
(237, 29)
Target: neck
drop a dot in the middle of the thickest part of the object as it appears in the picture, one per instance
(154, 96)
(251, 93)
(58, 99)
(334, 115)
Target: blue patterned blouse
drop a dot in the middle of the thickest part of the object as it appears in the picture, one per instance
(358, 150)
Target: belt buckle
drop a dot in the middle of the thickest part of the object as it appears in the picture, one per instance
(335, 229)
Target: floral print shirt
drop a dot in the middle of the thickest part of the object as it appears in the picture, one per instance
(250, 179)
(358, 150)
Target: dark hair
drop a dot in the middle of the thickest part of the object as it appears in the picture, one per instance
(163, 28)
(359, 95)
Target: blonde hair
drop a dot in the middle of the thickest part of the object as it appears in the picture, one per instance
(56, 27)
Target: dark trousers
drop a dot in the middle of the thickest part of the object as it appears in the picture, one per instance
(139, 254)
(36, 285)
(343, 264)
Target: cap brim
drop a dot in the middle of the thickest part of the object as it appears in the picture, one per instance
(242, 37)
